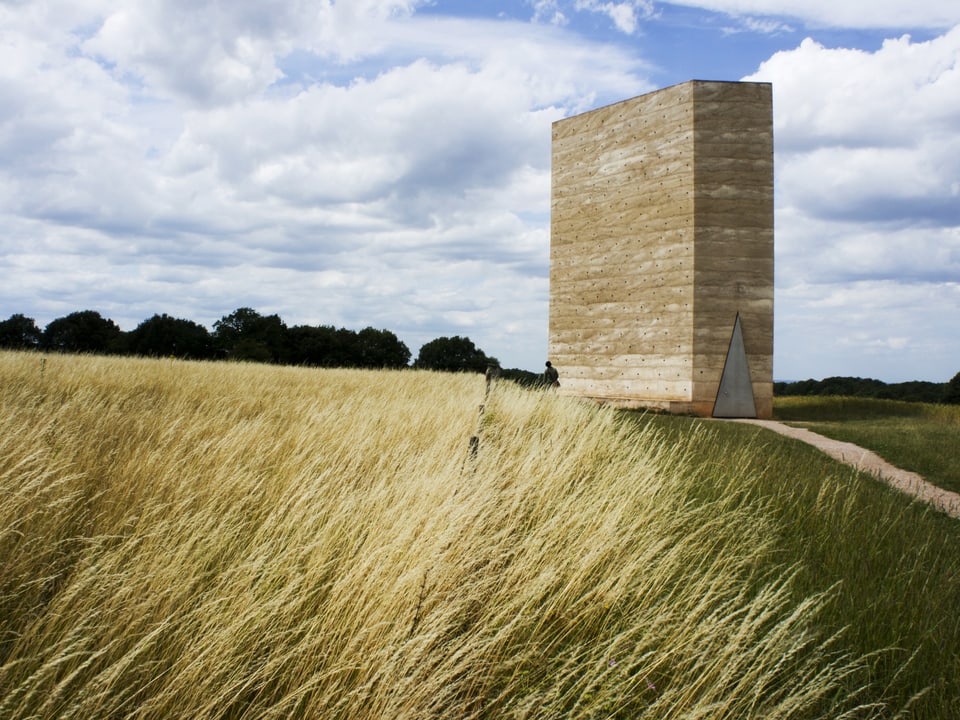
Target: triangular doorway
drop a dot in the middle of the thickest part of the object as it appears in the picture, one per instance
(735, 395)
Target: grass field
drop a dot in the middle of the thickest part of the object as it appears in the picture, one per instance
(892, 563)
(243, 541)
(919, 437)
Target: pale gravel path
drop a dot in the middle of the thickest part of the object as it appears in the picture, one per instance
(908, 482)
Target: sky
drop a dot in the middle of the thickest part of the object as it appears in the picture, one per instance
(386, 163)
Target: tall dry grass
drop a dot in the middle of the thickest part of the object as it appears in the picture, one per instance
(241, 541)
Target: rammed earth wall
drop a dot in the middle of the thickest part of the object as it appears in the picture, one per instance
(661, 234)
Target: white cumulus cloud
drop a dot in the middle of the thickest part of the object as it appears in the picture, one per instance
(868, 225)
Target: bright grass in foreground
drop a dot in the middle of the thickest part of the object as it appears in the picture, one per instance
(242, 541)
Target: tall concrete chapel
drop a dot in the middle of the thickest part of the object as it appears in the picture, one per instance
(661, 251)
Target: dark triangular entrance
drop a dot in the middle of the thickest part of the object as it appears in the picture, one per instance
(735, 395)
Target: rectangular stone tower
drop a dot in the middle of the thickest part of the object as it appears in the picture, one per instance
(661, 251)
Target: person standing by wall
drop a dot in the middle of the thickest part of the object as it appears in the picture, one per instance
(551, 378)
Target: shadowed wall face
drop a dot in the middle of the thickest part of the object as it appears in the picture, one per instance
(661, 233)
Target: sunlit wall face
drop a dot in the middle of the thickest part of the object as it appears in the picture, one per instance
(661, 234)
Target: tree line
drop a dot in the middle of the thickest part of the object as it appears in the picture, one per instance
(247, 335)
(912, 391)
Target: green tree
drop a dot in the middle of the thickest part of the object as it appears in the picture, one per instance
(951, 394)
(84, 331)
(245, 334)
(162, 335)
(910, 391)
(325, 346)
(308, 345)
(380, 349)
(20, 333)
(453, 354)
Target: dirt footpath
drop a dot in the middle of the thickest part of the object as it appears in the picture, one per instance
(858, 457)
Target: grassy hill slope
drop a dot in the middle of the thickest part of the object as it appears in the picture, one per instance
(238, 541)
(921, 437)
